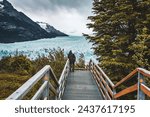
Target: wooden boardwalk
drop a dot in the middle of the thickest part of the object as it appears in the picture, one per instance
(81, 86)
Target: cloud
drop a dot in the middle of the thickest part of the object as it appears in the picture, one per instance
(80, 5)
(66, 15)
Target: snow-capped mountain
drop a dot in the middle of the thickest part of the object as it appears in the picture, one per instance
(16, 26)
(50, 29)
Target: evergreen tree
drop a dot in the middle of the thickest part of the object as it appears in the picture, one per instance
(121, 40)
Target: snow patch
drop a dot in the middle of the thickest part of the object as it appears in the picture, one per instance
(1, 6)
(43, 25)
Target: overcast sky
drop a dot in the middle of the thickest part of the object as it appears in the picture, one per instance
(69, 16)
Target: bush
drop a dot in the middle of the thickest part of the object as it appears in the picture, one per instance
(21, 64)
(18, 64)
(5, 64)
(81, 61)
(14, 71)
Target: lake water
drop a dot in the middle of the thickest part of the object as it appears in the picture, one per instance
(78, 44)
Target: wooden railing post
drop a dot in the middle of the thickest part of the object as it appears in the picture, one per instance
(140, 93)
(46, 92)
(62, 80)
(114, 93)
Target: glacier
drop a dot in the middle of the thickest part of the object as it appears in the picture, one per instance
(78, 44)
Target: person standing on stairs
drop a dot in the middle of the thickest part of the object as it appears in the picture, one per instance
(72, 60)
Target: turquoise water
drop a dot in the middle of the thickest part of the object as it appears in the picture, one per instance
(78, 44)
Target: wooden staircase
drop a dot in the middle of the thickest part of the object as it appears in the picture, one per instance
(91, 84)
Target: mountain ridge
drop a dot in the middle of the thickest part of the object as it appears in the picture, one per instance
(51, 29)
(15, 26)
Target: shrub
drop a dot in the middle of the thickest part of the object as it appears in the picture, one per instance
(21, 64)
(81, 61)
(14, 71)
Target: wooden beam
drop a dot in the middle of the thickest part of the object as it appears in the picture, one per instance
(105, 76)
(102, 86)
(144, 72)
(53, 76)
(105, 83)
(100, 89)
(141, 70)
(126, 91)
(27, 86)
(145, 89)
(129, 76)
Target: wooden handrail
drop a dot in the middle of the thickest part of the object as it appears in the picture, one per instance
(40, 91)
(145, 89)
(141, 86)
(53, 76)
(144, 72)
(107, 87)
(28, 85)
(126, 91)
(43, 92)
(104, 84)
(103, 73)
(129, 76)
(106, 77)
(62, 80)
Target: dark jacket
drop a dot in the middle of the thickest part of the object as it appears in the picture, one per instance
(71, 58)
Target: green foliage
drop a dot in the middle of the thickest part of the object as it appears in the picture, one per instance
(15, 70)
(81, 61)
(141, 49)
(19, 64)
(120, 37)
(56, 59)
(121, 40)
(5, 64)
(10, 82)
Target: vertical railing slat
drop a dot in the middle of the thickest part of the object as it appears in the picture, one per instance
(140, 93)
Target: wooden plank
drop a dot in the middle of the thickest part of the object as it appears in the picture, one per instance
(129, 76)
(145, 89)
(102, 94)
(84, 69)
(62, 79)
(64, 72)
(25, 88)
(105, 76)
(106, 85)
(126, 91)
(102, 87)
(81, 86)
(53, 76)
(40, 91)
(53, 89)
(99, 87)
(144, 72)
